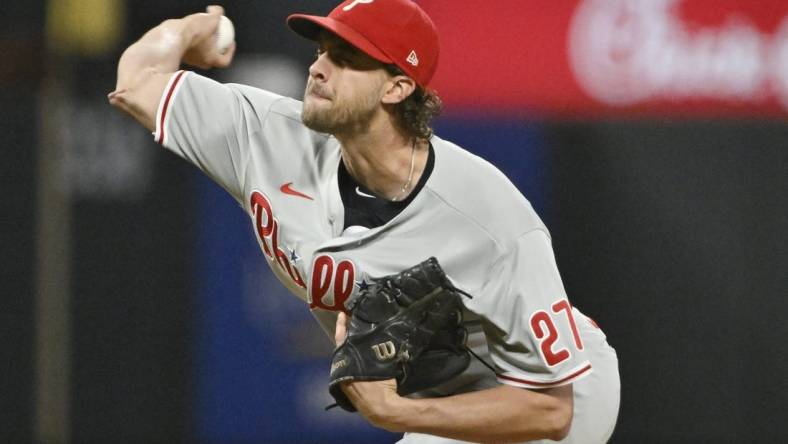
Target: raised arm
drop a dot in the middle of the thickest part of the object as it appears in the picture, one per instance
(146, 66)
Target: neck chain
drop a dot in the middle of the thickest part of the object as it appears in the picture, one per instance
(405, 187)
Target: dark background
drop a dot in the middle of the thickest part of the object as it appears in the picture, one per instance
(671, 234)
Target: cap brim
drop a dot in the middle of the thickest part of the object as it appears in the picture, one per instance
(310, 26)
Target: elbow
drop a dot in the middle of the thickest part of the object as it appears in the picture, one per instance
(117, 99)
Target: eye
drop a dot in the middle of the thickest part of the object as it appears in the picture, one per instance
(341, 57)
(341, 60)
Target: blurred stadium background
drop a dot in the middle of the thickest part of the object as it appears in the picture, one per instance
(650, 135)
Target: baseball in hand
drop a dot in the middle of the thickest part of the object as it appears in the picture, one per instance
(225, 34)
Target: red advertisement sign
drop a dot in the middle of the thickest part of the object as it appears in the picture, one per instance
(614, 58)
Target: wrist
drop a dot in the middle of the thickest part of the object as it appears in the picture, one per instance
(190, 30)
(400, 414)
(175, 35)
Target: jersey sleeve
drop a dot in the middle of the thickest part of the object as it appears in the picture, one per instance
(211, 125)
(531, 330)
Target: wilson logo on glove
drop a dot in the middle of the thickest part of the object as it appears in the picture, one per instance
(338, 365)
(384, 351)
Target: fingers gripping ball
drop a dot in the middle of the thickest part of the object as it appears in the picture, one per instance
(225, 35)
(406, 326)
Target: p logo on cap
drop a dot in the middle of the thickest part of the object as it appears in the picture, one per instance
(356, 2)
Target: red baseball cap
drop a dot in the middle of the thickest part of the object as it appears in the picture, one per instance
(390, 31)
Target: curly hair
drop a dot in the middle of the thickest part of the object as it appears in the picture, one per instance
(414, 114)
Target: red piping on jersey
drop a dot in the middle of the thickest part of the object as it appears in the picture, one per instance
(167, 104)
(545, 384)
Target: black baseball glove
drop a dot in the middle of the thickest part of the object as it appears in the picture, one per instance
(406, 326)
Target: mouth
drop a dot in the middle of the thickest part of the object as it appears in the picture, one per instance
(313, 95)
(318, 93)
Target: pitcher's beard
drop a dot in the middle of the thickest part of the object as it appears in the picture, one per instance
(322, 120)
(339, 117)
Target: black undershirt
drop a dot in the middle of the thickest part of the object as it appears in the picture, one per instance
(372, 212)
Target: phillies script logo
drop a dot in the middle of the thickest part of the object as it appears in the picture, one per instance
(332, 283)
(267, 228)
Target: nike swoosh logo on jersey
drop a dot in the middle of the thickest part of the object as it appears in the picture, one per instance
(287, 189)
(361, 193)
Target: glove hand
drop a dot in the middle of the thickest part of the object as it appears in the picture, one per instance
(406, 327)
(374, 400)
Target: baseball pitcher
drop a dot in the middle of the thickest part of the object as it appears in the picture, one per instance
(412, 253)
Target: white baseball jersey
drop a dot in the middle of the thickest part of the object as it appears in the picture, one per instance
(468, 215)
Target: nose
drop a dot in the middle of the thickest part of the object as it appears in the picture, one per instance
(320, 67)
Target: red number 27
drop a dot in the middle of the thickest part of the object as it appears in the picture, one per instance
(544, 330)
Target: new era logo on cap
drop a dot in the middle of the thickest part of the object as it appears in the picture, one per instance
(413, 59)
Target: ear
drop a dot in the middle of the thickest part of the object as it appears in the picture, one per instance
(398, 88)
